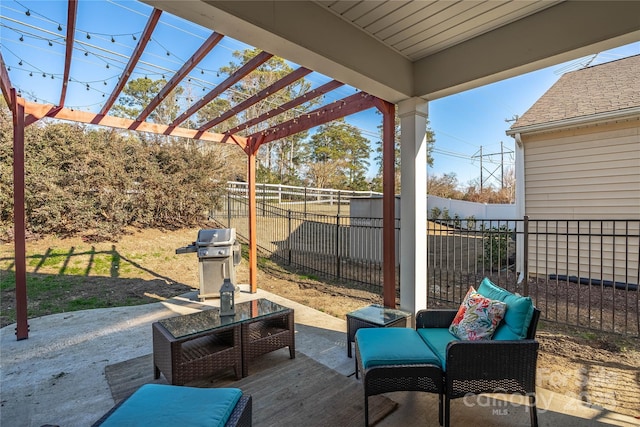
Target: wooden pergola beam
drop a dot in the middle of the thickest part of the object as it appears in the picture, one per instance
(38, 111)
(235, 77)
(264, 93)
(186, 68)
(312, 94)
(388, 111)
(19, 216)
(5, 83)
(336, 110)
(133, 60)
(72, 12)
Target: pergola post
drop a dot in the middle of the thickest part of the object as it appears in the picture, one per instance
(22, 327)
(251, 149)
(388, 203)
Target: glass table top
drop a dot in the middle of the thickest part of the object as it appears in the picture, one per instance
(378, 314)
(190, 324)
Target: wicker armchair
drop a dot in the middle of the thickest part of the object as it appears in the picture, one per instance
(491, 366)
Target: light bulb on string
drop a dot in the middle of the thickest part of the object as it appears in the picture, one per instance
(51, 76)
(113, 40)
(107, 65)
(21, 38)
(30, 74)
(105, 83)
(20, 63)
(88, 36)
(50, 44)
(28, 12)
(44, 75)
(87, 86)
(134, 37)
(168, 54)
(59, 27)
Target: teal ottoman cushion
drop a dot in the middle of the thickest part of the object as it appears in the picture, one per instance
(437, 340)
(519, 312)
(167, 405)
(393, 346)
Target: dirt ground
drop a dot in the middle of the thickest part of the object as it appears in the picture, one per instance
(601, 370)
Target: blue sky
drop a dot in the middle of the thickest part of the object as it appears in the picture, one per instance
(463, 123)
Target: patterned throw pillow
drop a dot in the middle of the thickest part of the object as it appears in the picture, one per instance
(478, 317)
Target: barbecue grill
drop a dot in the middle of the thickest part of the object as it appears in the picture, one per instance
(218, 254)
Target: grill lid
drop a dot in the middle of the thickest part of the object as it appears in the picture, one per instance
(216, 237)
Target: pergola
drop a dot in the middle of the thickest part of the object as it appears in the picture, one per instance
(395, 52)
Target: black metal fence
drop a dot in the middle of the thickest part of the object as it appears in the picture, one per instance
(578, 272)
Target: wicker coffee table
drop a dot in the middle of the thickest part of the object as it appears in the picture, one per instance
(267, 327)
(196, 345)
(373, 316)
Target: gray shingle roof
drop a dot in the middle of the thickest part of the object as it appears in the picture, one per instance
(603, 88)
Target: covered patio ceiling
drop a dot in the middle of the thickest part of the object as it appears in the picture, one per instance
(391, 51)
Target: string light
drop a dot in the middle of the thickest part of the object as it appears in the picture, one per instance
(21, 38)
(88, 36)
(50, 44)
(134, 37)
(113, 40)
(59, 27)
(28, 12)
(20, 63)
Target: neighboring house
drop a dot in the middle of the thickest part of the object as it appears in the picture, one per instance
(578, 158)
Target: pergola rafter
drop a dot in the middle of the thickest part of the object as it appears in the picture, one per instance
(275, 87)
(234, 78)
(71, 30)
(26, 113)
(309, 96)
(336, 110)
(186, 68)
(133, 60)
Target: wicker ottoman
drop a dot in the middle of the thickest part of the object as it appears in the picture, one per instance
(396, 359)
(166, 405)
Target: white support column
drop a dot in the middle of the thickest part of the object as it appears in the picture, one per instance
(413, 114)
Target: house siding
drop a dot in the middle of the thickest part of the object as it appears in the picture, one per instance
(592, 173)
(583, 174)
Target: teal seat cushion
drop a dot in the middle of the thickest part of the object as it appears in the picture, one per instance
(393, 346)
(437, 340)
(160, 405)
(519, 312)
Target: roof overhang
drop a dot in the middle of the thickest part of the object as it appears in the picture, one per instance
(575, 122)
(311, 35)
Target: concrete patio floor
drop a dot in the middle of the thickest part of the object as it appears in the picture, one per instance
(56, 376)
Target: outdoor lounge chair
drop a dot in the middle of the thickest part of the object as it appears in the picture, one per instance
(168, 405)
(401, 359)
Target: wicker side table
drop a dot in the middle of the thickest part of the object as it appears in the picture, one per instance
(373, 316)
(266, 334)
(198, 355)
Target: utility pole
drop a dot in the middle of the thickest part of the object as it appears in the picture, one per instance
(491, 173)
